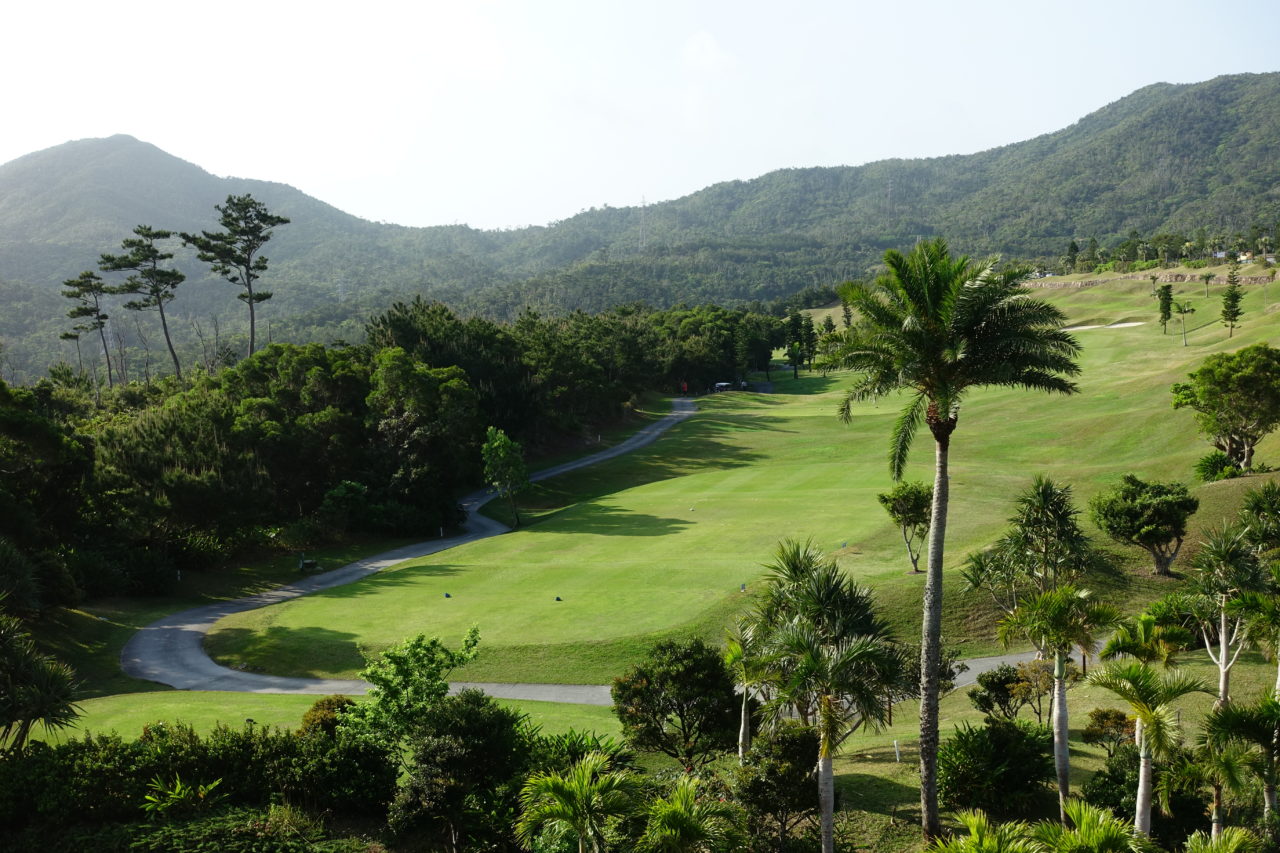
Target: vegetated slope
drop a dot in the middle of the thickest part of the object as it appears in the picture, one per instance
(666, 536)
(1167, 157)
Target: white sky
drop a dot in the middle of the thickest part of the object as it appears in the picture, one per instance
(502, 113)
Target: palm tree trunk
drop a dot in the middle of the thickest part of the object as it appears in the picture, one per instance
(1215, 814)
(931, 645)
(827, 801)
(744, 728)
(1142, 815)
(1224, 658)
(1061, 753)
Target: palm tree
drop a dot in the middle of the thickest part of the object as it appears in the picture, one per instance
(1092, 830)
(1147, 639)
(1256, 726)
(577, 802)
(34, 688)
(986, 837)
(1219, 769)
(1150, 696)
(746, 661)
(1232, 840)
(835, 687)
(1056, 622)
(1226, 567)
(939, 327)
(682, 823)
(1182, 309)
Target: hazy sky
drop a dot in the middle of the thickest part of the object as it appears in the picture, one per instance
(500, 113)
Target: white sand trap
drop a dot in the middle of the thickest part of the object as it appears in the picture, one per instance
(1112, 326)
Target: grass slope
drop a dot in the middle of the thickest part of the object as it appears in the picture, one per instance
(658, 543)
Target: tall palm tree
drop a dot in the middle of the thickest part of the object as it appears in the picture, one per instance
(1256, 726)
(577, 802)
(1057, 621)
(682, 822)
(938, 327)
(1150, 696)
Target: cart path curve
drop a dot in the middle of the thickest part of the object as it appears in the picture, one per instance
(171, 650)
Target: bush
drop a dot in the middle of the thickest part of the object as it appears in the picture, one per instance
(1110, 728)
(1216, 466)
(776, 784)
(323, 716)
(1000, 768)
(104, 779)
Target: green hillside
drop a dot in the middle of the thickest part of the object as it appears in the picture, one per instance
(1196, 160)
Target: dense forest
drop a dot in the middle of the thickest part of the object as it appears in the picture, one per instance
(1199, 162)
(109, 488)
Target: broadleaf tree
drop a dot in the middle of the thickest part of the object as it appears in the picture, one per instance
(1152, 516)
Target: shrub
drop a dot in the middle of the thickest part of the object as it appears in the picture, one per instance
(1109, 727)
(1216, 466)
(322, 717)
(776, 784)
(1000, 768)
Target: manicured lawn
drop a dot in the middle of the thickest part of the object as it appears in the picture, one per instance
(127, 714)
(658, 543)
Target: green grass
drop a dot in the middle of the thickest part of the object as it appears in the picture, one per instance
(127, 714)
(657, 543)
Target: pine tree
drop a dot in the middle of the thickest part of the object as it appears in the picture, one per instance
(1231, 310)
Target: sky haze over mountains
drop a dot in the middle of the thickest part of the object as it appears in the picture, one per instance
(502, 113)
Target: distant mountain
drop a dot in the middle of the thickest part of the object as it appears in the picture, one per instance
(1167, 158)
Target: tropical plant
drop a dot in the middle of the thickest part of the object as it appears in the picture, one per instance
(1231, 840)
(578, 803)
(1056, 622)
(1150, 638)
(1091, 830)
(34, 688)
(984, 836)
(1150, 696)
(1258, 727)
(684, 822)
(1220, 769)
(1001, 766)
(938, 327)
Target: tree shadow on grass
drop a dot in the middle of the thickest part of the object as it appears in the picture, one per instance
(598, 519)
(297, 652)
(390, 579)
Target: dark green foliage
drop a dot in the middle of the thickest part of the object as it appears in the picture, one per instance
(1236, 398)
(680, 702)
(235, 252)
(1165, 295)
(1152, 516)
(154, 284)
(1215, 465)
(776, 784)
(1231, 298)
(462, 789)
(1001, 767)
(104, 779)
(323, 717)
(504, 467)
(1115, 787)
(995, 694)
